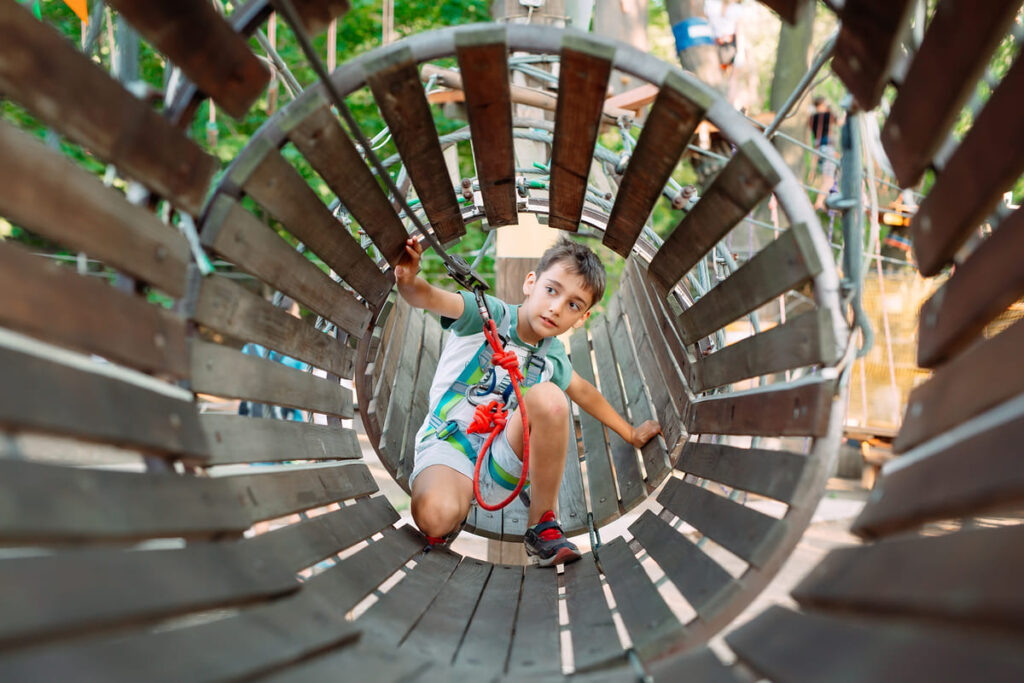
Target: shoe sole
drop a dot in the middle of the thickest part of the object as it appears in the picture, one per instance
(563, 556)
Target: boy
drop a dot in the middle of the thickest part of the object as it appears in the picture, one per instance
(569, 279)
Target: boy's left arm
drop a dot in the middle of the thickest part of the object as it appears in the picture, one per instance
(587, 397)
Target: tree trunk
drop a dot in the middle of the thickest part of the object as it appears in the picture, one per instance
(625, 21)
(702, 60)
(792, 60)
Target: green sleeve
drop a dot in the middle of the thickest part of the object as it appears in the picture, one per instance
(470, 322)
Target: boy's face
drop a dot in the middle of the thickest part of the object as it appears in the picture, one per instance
(556, 300)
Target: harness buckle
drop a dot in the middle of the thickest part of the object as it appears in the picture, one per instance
(449, 428)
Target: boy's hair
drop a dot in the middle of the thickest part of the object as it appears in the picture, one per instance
(818, 100)
(578, 259)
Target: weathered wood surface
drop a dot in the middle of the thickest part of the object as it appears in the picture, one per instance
(275, 494)
(231, 309)
(278, 187)
(57, 305)
(594, 638)
(223, 371)
(698, 665)
(235, 439)
(747, 179)
(775, 474)
(440, 631)
(940, 80)
(241, 238)
(47, 194)
(329, 150)
(985, 164)
(192, 34)
(483, 65)
(677, 110)
(667, 321)
(983, 287)
(868, 44)
(802, 409)
(489, 635)
(362, 662)
(743, 531)
(387, 369)
(396, 87)
(426, 365)
(572, 501)
(50, 503)
(535, 647)
(393, 432)
(317, 14)
(68, 91)
(585, 66)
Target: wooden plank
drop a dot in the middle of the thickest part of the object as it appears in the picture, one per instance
(788, 262)
(652, 626)
(743, 531)
(701, 580)
(868, 44)
(223, 371)
(775, 474)
(276, 494)
(277, 186)
(426, 366)
(798, 409)
(808, 339)
(316, 15)
(483, 65)
(981, 586)
(940, 80)
(396, 87)
(776, 645)
(50, 503)
(440, 631)
(973, 297)
(215, 58)
(240, 237)
(231, 309)
(572, 501)
(385, 379)
(489, 637)
(332, 154)
(987, 163)
(47, 194)
(627, 468)
(678, 108)
(235, 439)
(667, 322)
(697, 665)
(57, 305)
(69, 92)
(594, 638)
(584, 68)
(44, 394)
(949, 480)
(361, 663)
(392, 439)
(747, 179)
(535, 648)
(983, 376)
(603, 499)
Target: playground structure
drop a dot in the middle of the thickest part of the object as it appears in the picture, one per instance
(156, 572)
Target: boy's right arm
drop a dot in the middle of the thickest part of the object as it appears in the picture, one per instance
(420, 293)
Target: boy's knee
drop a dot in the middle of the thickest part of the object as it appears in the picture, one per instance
(548, 401)
(436, 514)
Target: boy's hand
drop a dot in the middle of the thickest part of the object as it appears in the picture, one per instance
(409, 266)
(644, 433)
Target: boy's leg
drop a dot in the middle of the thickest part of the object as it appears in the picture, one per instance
(440, 499)
(548, 411)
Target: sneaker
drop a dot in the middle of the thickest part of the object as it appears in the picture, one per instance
(546, 541)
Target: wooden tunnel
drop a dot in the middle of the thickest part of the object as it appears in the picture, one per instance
(134, 542)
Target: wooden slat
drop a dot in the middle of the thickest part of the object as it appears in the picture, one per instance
(316, 15)
(594, 639)
(489, 637)
(241, 238)
(48, 503)
(585, 66)
(572, 501)
(381, 397)
(808, 339)
(440, 631)
(665, 319)
(741, 530)
(697, 665)
(426, 366)
(776, 645)
(223, 371)
(393, 433)
(535, 648)
(788, 410)
(747, 179)
(985, 375)
(359, 662)
(396, 87)
(701, 580)
(229, 308)
(940, 80)
(69, 92)
(278, 187)
(215, 58)
(786, 263)
(331, 153)
(983, 287)
(774, 474)
(49, 195)
(948, 481)
(57, 305)
(986, 164)
(46, 395)
(980, 587)
(651, 624)
(276, 494)
(868, 44)
(236, 439)
(483, 65)
(679, 107)
(603, 499)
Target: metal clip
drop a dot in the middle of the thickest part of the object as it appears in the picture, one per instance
(459, 270)
(449, 428)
